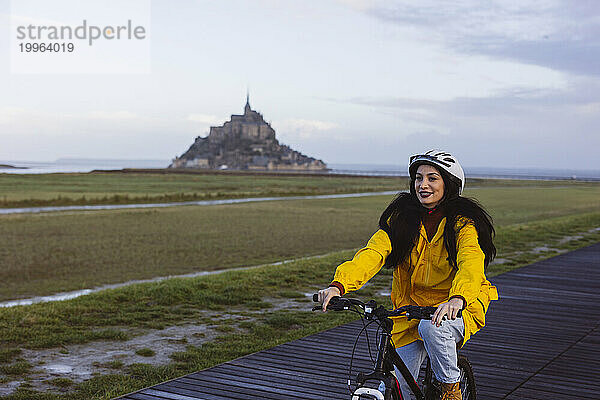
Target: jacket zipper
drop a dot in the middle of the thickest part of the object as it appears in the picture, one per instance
(428, 264)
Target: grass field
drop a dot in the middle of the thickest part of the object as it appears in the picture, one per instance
(126, 188)
(45, 253)
(54, 252)
(168, 186)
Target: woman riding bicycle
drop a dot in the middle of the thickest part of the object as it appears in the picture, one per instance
(438, 244)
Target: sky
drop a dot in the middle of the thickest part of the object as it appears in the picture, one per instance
(497, 83)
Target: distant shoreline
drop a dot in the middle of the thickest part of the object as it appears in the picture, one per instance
(330, 173)
(239, 172)
(8, 166)
(82, 166)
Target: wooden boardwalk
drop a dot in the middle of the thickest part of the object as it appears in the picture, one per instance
(542, 341)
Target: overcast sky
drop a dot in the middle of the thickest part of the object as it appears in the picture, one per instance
(498, 83)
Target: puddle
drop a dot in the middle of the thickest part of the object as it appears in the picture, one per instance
(567, 239)
(83, 361)
(59, 369)
(80, 362)
(544, 249)
(9, 387)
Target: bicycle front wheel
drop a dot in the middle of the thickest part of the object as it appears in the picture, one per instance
(467, 379)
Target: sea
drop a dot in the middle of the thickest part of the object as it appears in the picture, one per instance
(66, 165)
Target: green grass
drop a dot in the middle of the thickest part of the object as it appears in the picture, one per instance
(154, 305)
(145, 352)
(115, 364)
(48, 253)
(515, 242)
(17, 368)
(31, 190)
(7, 354)
(513, 205)
(125, 188)
(61, 382)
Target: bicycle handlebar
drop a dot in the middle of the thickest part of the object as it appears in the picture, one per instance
(371, 309)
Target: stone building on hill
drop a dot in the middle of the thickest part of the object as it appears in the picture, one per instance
(245, 142)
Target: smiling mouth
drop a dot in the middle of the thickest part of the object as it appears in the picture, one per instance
(425, 194)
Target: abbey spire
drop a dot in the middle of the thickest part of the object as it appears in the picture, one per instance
(247, 108)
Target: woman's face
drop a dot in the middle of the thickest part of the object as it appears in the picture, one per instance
(429, 186)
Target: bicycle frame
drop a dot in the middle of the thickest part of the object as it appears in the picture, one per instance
(387, 358)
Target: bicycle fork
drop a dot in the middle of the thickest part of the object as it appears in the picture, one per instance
(386, 359)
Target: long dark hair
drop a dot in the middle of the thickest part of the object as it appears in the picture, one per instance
(402, 219)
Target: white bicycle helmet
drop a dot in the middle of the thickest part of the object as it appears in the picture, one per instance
(439, 159)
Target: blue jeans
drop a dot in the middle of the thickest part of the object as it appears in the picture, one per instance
(440, 344)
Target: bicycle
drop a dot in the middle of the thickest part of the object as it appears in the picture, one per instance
(386, 360)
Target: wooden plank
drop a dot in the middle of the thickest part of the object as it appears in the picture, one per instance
(275, 381)
(140, 396)
(215, 389)
(161, 394)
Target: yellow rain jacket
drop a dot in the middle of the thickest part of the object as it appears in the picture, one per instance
(427, 278)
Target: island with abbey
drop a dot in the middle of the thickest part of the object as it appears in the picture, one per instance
(245, 142)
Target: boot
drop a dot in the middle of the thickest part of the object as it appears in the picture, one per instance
(451, 391)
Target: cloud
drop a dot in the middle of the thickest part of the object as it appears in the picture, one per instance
(206, 119)
(302, 128)
(108, 115)
(93, 134)
(562, 35)
(473, 19)
(306, 125)
(28, 122)
(311, 137)
(526, 128)
(25, 20)
(10, 114)
(592, 108)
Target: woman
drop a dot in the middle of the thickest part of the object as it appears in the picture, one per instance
(438, 244)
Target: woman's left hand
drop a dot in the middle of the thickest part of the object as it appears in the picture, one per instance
(449, 308)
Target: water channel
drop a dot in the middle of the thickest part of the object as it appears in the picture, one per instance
(26, 210)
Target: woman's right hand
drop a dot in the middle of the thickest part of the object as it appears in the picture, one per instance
(325, 295)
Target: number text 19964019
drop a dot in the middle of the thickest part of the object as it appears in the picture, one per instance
(46, 47)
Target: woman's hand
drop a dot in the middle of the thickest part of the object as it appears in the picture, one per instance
(325, 295)
(449, 308)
